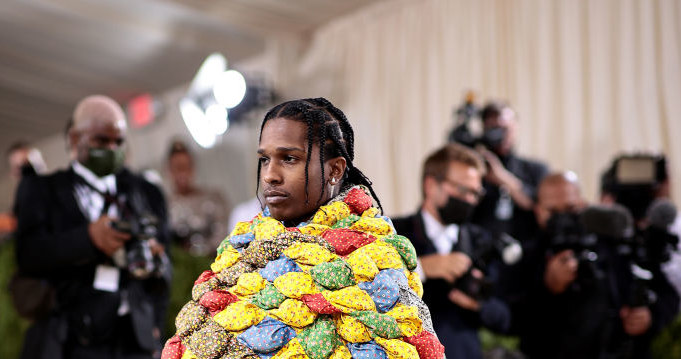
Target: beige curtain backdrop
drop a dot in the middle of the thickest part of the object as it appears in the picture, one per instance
(589, 79)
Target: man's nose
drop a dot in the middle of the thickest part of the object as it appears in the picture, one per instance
(271, 174)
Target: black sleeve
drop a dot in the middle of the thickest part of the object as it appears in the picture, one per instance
(536, 173)
(161, 294)
(40, 248)
(665, 309)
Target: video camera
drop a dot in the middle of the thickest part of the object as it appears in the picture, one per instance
(469, 127)
(501, 247)
(643, 249)
(634, 179)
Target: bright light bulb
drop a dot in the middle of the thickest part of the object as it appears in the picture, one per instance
(229, 88)
(217, 118)
(197, 123)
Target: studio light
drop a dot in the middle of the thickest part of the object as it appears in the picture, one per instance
(213, 91)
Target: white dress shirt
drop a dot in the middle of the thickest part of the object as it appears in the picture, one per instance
(444, 237)
(91, 202)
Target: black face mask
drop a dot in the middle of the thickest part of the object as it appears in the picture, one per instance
(493, 138)
(455, 211)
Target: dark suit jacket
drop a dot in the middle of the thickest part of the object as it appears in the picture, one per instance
(522, 225)
(457, 328)
(53, 243)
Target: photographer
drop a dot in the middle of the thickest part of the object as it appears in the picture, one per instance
(578, 301)
(511, 181)
(636, 181)
(97, 233)
(446, 245)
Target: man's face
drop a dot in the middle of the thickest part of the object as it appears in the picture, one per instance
(181, 168)
(282, 155)
(559, 197)
(461, 181)
(100, 132)
(507, 121)
(16, 160)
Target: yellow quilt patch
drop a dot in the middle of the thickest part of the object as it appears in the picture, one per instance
(349, 299)
(351, 329)
(397, 349)
(294, 313)
(363, 267)
(248, 284)
(330, 214)
(309, 253)
(239, 316)
(225, 259)
(296, 284)
(407, 318)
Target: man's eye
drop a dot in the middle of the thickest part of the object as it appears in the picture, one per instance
(263, 160)
(290, 159)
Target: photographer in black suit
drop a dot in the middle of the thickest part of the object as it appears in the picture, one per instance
(585, 293)
(97, 233)
(448, 248)
(511, 180)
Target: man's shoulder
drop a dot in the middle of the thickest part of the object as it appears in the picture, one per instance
(530, 162)
(405, 223)
(128, 176)
(61, 176)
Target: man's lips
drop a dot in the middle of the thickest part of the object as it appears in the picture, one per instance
(273, 197)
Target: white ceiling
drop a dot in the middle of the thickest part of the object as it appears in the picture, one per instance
(54, 52)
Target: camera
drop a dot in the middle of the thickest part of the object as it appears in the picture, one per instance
(634, 179)
(139, 260)
(565, 230)
(500, 246)
(469, 128)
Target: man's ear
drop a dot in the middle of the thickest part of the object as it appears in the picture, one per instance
(337, 167)
(430, 186)
(74, 138)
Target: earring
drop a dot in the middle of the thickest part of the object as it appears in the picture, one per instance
(333, 180)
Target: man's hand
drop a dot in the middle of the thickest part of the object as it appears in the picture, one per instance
(561, 271)
(636, 321)
(464, 301)
(448, 267)
(498, 175)
(156, 247)
(105, 238)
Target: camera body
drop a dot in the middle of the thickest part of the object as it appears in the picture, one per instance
(498, 247)
(634, 179)
(469, 128)
(566, 231)
(139, 260)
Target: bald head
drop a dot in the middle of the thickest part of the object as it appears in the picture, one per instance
(98, 123)
(97, 108)
(558, 193)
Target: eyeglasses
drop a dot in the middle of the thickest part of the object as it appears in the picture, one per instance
(465, 190)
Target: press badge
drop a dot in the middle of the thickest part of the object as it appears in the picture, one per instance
(106, 278)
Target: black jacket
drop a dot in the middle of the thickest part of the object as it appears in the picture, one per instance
(457, 328)
(584, 321)
(522, 224)
(53, 243)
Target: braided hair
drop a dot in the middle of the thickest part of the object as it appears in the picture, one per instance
(329, 128)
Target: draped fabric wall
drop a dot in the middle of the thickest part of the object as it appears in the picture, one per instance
(589, 79)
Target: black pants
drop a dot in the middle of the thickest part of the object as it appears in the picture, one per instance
(122, 345)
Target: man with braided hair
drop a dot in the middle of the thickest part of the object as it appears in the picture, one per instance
(320, 273)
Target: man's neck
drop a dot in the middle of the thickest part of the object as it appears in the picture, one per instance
(103, 184)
